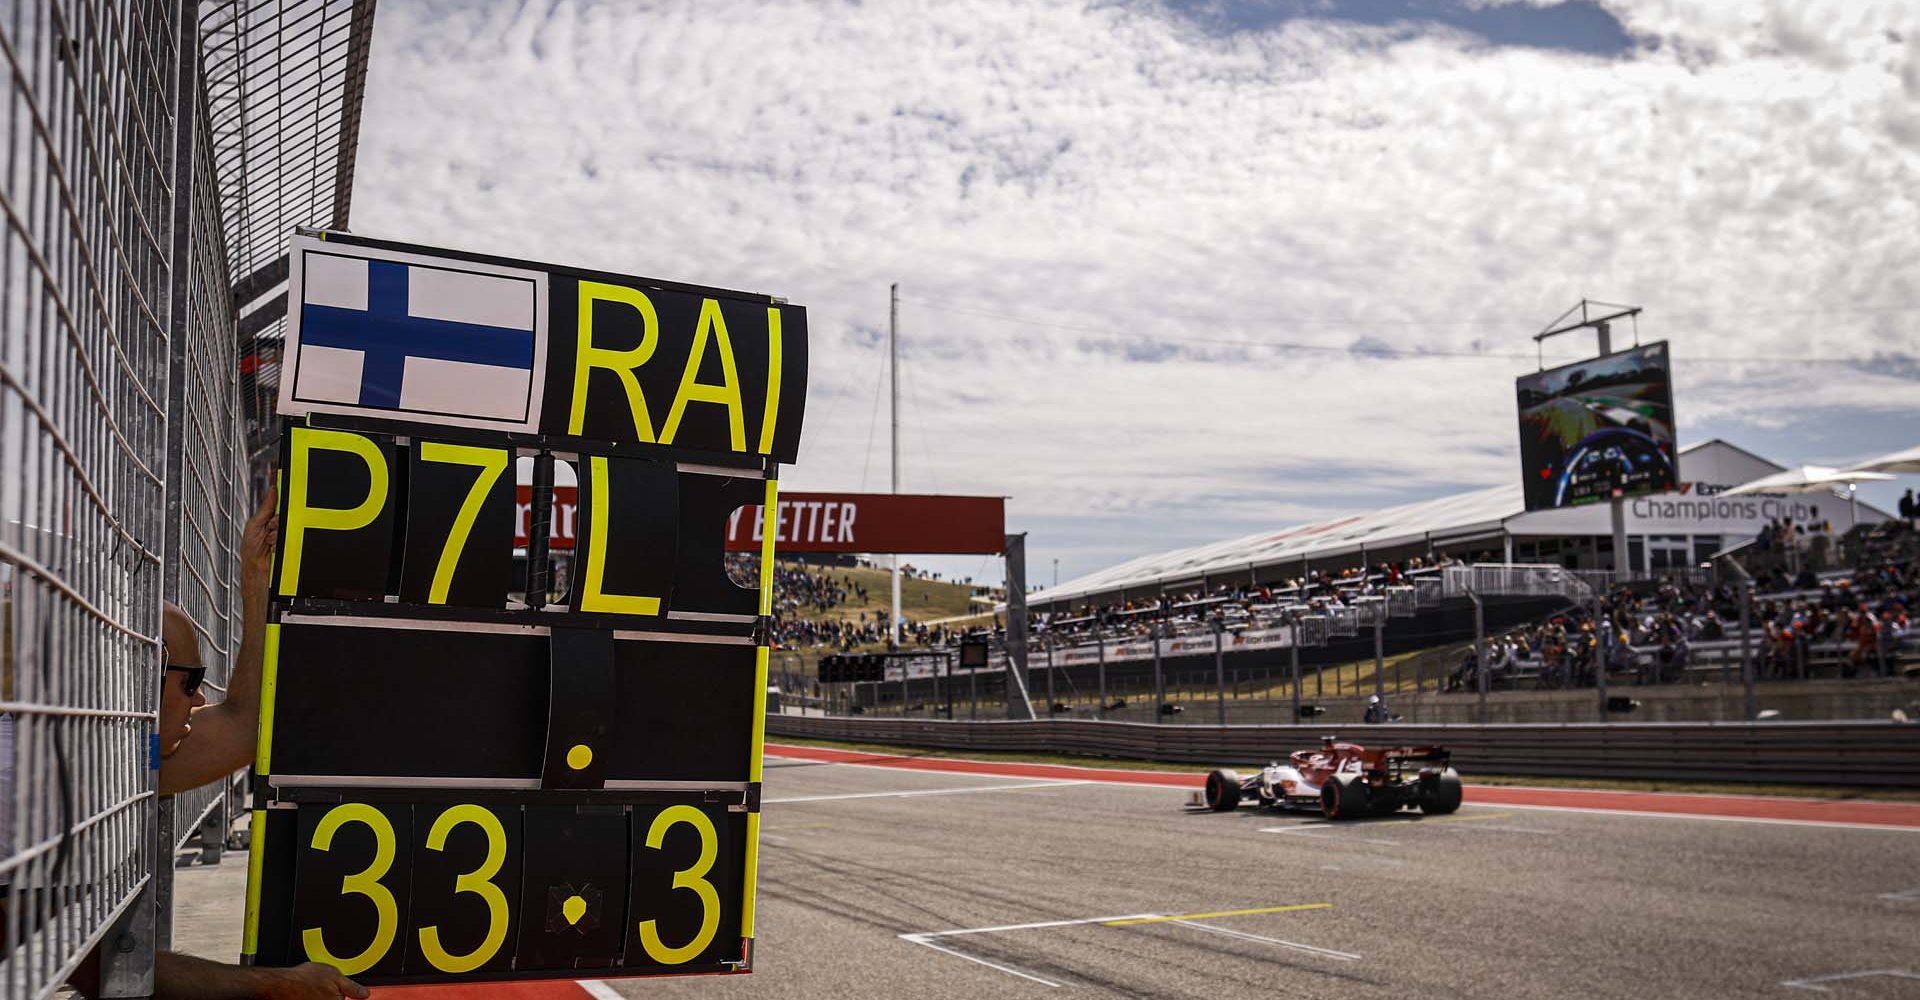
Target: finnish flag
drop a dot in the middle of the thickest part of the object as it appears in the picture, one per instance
(436, 341)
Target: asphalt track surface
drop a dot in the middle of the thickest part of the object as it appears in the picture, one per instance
(879, 880)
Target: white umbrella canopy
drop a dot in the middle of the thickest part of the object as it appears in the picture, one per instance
(1907, 461)
(1805, 479)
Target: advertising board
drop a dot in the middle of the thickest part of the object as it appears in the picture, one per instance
(1598, 429)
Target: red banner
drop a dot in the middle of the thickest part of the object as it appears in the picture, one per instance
(826, 522)
(876, 522)
(566, 517)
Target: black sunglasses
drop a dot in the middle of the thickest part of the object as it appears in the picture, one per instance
(190, 684)
(196, 673)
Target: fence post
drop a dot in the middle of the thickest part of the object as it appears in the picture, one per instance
(1101, 645)
(1601, 650)
(1159, 681)
(1379, 650)
(1752, 704)
(1050, 642)
(1295, 648)
(1220, 668)
(1480, 648)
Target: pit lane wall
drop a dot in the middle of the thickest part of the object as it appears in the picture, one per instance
(1884, 754)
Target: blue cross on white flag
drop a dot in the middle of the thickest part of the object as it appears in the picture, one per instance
(438, 340)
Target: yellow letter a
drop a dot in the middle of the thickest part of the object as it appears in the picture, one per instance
(727, 393)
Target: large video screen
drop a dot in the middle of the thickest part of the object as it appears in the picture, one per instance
(1598, 429)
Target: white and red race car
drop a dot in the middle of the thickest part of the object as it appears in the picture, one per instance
(1344, 781)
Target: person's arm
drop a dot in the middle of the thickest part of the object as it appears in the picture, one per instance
(182, 977)
(224, 735)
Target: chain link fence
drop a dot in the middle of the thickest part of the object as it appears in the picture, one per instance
(156, 154)
(84, 279)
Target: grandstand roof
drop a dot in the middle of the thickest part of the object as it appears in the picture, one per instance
(1483, 514)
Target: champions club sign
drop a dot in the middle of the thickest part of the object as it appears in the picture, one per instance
(828, 522)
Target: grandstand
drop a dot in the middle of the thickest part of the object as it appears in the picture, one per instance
(1459, 580)
(1665, 534)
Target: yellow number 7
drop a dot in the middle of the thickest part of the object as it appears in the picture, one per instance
(492, 462)
(694, 878)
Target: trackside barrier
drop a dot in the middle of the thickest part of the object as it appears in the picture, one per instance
(1812, 753)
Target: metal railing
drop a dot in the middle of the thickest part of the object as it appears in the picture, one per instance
(1515, 580)
(1847, 753)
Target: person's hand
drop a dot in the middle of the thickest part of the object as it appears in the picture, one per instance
(311, 981)
(256, 548)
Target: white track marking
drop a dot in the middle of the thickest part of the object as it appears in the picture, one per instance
(923, 791)
(989, 770)
(1342, 956)
(1503, 828)
(1830, 824)
(1188, 786)
(1910, 895)
(1030, 927)
(926, 938)
(997, 967)
(1814, 983)
(1322, 829)
(599, 990)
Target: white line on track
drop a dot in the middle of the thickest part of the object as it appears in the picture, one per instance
(1909, 895)
(989, 770)
(1325, 829)
(1501, 827)
(913, 793)
(1830, 824)
(1342, 956)
(1189, 786)
(996, 966)
(1031, 927)
(1814, 983)
(598, 990)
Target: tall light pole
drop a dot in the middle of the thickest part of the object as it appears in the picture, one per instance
(893, 413)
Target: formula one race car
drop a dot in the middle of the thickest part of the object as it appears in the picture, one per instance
(1345, 780)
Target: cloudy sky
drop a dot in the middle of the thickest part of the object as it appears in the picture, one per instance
(1175, 271)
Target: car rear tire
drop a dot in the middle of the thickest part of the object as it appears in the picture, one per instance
(1345, 798)
(1223, 790)
(1443, 796)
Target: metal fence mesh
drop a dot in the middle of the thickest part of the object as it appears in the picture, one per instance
(107, 505)
(284, 85)
(211, 486)
(83, 280)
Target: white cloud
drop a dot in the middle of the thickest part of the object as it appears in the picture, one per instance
(1143, 195)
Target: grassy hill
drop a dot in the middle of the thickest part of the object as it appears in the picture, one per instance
(920, 600)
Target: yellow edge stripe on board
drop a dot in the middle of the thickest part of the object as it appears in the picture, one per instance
(256, 869)
(269, 677)
(1134, 921)
(768, 509)
(752, 876)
